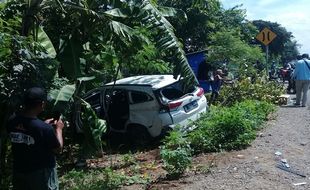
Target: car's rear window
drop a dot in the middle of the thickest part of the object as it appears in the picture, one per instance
(175, 91)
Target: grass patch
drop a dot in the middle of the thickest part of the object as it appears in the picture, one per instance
(98, 179)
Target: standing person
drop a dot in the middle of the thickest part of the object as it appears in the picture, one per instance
(272, 72)
(216, 84)
(34, 144)
(302, 78)
(291, 81)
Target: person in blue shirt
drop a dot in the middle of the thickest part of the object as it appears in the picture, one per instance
(34, 144)
(301, 75)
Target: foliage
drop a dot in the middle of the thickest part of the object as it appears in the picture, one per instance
(94, 29)
(235, 19)
(23, 64)
(96, 180)
(93, 128)
(227, 46)
(212, 18)
(176, 154)
(145, 62)
(94, 38)
(207, 13)
(229, 128)
(256, 111)
(257, 88)
(168, 42)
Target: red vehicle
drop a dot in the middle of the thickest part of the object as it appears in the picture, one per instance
(285, 74)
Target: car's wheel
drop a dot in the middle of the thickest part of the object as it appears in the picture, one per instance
(139, 136)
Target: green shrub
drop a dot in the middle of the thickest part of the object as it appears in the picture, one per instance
(255, 111)
(176, 154)
(229, 128)
(246, 89)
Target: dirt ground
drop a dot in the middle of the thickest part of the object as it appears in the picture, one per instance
(255, 167)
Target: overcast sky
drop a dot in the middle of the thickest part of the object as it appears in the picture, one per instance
(293, 15)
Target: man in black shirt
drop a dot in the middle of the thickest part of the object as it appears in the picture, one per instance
(34, 144)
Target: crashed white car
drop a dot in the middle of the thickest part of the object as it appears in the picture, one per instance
(145, 106)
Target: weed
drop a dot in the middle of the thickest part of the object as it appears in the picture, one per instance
(128, 159)
(176, 154)
(98, 180)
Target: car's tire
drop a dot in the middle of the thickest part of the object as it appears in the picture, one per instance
(139, 136)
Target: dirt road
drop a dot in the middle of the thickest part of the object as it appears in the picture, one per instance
(255, 167)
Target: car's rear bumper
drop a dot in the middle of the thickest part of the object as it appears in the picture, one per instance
(185, 125)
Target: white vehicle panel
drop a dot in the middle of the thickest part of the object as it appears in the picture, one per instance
(182, 116)
(145, 113)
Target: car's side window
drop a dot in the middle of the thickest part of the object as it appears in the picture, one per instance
(140, 97)
(94, 99)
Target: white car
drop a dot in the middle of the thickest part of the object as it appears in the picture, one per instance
(145, 106)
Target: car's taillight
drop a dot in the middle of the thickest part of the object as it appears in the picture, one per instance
(174, 105)
(200, 92)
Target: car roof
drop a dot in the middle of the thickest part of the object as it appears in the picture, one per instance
(155, 81)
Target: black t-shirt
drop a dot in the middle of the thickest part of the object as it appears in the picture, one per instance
(33, 142)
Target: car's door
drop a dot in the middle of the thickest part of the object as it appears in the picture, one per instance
(144, 110)
(117, 106)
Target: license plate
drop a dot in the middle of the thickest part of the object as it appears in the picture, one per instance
(190, 106)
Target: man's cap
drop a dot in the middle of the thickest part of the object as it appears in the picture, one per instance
(35, 94)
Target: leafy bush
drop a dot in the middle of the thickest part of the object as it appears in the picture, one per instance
(255, 111)
(229, 128)
(176, 154)
(247, 89)
(93, 126)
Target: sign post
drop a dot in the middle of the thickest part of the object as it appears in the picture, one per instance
(266, 36)
(267, 58)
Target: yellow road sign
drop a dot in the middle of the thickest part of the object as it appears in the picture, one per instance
(266, 36)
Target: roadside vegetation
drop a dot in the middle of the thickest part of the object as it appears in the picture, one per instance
(70, 47)
(222, 129)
